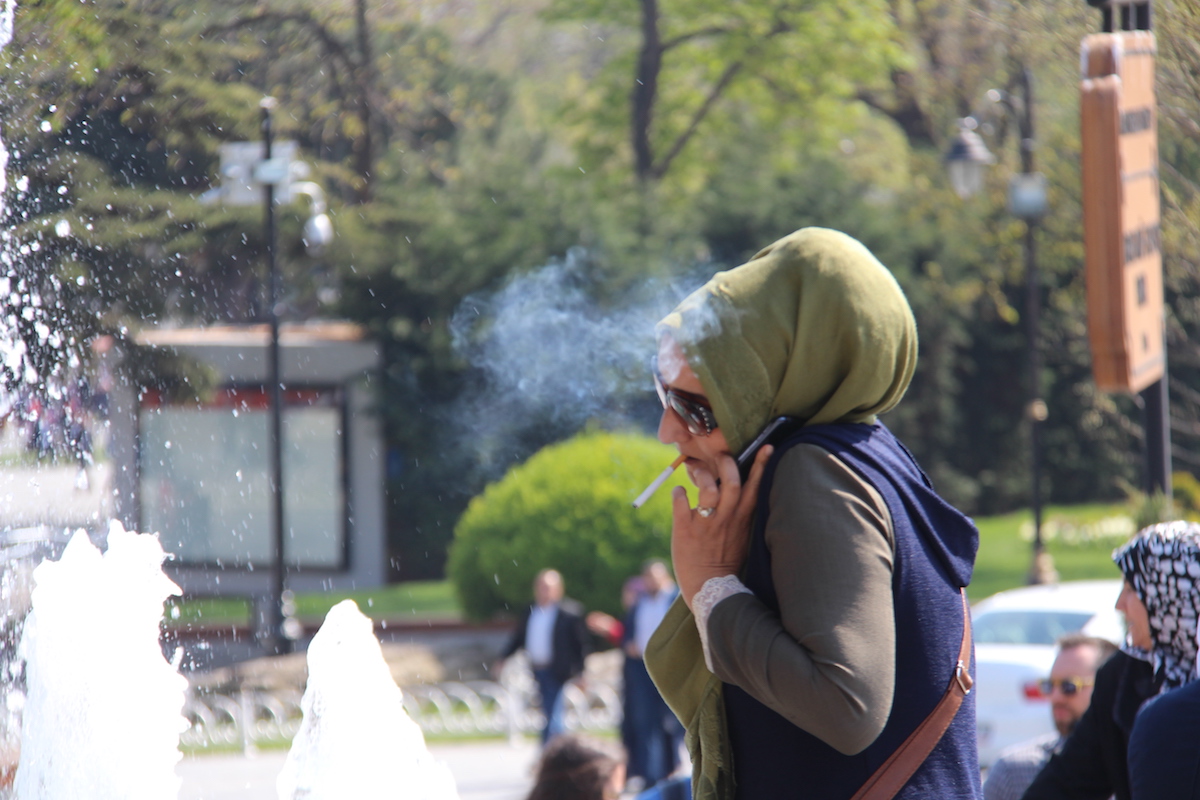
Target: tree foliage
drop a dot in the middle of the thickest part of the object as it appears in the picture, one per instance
(1178, 86)
(689, 62)
(463, 144)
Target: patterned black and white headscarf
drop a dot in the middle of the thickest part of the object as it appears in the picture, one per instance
(1162, 564)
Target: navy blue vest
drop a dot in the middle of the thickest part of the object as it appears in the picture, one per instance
(935, 554)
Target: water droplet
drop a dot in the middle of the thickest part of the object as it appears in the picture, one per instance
(62, 228)
(46, 126)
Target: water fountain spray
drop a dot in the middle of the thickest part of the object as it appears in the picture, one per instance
(103, 708)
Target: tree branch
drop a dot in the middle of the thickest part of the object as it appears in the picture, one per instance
(660, 168)
(906, 112)
(645, 91)
(360, 103)
(303, 19)
(684, 38)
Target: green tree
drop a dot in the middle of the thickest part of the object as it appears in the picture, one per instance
(460, 150)
(567, 507)
(682, 64)
(1177, 26)
(965, 415)
(111, 134)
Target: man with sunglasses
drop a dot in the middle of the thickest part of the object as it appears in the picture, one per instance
(1069, 689)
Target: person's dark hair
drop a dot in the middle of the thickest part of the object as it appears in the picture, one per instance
(575, 767)
(1103, 646)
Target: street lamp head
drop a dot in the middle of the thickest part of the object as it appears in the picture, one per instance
(968, 159)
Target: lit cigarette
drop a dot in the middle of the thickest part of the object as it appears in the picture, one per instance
(659, 481)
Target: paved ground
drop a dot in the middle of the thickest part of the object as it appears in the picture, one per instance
(491, 770)
(53, 494)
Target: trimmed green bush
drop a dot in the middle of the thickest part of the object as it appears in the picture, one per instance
(1186, 493)
(568, 507)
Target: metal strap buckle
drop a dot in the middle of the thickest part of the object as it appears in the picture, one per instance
(960, 672)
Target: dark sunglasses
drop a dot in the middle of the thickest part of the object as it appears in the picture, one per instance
(1069, 686)
(696, 414)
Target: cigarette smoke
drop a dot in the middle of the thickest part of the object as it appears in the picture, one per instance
(549, 357)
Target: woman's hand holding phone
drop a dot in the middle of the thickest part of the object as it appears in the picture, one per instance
(711, 540)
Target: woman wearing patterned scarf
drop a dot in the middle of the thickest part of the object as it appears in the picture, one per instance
(1163, 758)
(1161, 566)
(1161, 603)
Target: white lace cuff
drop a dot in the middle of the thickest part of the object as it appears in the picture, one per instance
(712, 592)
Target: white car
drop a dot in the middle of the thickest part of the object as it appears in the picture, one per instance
(1015, 633)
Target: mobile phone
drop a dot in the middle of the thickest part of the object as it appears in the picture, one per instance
(775, 430)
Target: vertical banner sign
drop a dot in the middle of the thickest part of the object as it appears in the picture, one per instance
(1122, 240)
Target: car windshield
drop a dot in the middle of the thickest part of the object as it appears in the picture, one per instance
(1027, 627)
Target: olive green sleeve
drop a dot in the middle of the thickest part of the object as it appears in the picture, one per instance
(826, 662)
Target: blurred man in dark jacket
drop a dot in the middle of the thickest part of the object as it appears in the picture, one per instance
(555, 639)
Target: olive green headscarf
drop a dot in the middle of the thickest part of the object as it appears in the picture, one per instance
(813, 327)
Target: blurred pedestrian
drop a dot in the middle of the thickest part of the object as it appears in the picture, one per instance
(79, 440)
(652, 735)
(577, 767)
(608, 627)
(1069, 689)
(555, 639)
(1161, 603)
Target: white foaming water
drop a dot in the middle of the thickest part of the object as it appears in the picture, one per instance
(6, 32)
(102, 714)
(7, 11)
(357, 739)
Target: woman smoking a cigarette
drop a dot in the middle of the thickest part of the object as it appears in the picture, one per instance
(781, 656)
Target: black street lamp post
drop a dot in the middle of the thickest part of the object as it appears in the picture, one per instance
(247, 167)
(281, 626)
(967, 160)
(279, 642)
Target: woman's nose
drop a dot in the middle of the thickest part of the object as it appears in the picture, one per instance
(671, 429)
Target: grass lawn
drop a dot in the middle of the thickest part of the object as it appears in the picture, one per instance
(417, 599)
(1079, 538)
(424, 599)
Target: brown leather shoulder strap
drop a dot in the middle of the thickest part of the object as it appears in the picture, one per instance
(895, 772)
